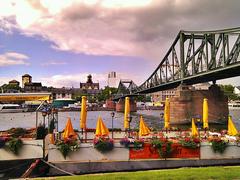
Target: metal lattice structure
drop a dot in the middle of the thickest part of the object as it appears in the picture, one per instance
(125, 87)
(194, 57)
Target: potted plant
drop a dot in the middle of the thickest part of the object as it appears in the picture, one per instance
(163, 145)
(103, 144)
(41, 132)
(66, 146)
(2, 142)
(218, 144)
(132, 143)
(17, 132)
(190, 142)
(14, 145)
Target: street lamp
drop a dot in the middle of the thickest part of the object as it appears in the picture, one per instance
(129, 121)
(55, 117)
(44, 114)
(112, 114)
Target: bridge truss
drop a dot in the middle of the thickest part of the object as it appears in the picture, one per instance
(194, 57)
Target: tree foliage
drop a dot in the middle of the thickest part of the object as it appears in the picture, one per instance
(7, 87)
(229, 91)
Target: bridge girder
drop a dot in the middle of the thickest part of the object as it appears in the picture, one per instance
(194, 57)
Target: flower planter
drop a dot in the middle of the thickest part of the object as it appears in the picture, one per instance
(232, 151)
(178, 151)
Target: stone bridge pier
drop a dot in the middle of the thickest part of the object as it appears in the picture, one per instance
(188, 103)
(121, 104)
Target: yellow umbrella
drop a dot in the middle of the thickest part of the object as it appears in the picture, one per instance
(205, 113)
(101, 129)
(126, 112)
(69, 131)
(232, 130)
(143, 128)
(194, 129)
(83, 113)
(167, 114)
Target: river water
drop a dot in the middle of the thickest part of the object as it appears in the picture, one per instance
(151, 117)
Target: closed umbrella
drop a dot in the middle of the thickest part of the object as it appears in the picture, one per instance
(232, 130)
(101, 129)
(69, 131)
(143, 128)
(194, 128)
(167, 114)
(126, 113)
(205, 113)
(83, 118)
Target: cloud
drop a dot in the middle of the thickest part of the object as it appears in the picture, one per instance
(5, 80)
(144, 28)
(53, 63)
(72, 80)
(13, 58)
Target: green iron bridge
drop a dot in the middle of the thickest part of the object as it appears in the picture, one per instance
(194, 57)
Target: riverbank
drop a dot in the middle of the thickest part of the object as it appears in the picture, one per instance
(219, 173)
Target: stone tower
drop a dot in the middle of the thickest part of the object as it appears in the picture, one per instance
(26, 78)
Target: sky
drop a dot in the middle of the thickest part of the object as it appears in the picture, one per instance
(60, 42)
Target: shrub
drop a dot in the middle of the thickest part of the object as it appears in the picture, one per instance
(14, 144)
(66, 146)
(103, 144)
(2, 142)
(191, 143)
(41, 132)
(17, 132)
(163, 145)
(218, 145)
(135, 143)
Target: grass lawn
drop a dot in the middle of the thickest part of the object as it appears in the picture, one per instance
(206, 173)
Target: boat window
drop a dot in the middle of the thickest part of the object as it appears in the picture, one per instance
(10, 107)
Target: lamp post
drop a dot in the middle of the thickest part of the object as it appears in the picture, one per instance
(112, 114)
(55, 118)
(44, 113)
(129, 120)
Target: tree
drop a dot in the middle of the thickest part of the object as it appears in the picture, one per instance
(106, 93)
(10, 87)
(229, 91)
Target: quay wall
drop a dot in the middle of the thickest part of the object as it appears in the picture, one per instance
(116, 166)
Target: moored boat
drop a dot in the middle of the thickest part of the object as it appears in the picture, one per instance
(234, 105)
(11, 108)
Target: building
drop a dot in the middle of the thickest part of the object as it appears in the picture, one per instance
(90, 87)
(29, 86)
(202, 86)
(33, 87)
(61, 93)
(26, 78)
(237, 90)
(112, 79)
(14, 82)
(162, 95)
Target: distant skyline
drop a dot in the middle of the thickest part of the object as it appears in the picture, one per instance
(60, 42)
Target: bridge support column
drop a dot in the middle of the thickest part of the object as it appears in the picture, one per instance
(188, 103)
(121, 104)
